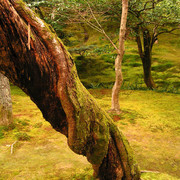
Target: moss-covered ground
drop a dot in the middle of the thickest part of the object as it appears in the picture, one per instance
(150, 120)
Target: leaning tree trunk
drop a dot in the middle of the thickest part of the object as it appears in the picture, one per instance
(5, 102)
(35, 59)
(118, 63)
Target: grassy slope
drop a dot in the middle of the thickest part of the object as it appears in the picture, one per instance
(150, 121)
(97, 69)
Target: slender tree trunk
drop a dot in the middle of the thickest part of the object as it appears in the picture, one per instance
(5, 102)
(147, 59)
(118, 63)
(47, 73)
(146, 56)
(115, 107)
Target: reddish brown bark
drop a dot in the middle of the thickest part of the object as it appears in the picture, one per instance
(47, 73)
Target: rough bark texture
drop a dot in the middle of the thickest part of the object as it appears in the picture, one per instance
(47, 73)
(118, 63)
(5, 102)
(146, 55)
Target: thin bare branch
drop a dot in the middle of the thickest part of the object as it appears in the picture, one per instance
(94, 16)
(111, 42)
(170, 31)
(91, 24)
(152, 7)
(102, 29)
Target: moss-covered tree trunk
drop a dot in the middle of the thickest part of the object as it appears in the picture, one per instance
(5, 102)
(45, 71)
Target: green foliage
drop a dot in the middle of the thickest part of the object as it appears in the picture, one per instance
(157, 17)
(164, 12)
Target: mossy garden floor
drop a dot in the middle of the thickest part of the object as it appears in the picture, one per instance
(150, 120)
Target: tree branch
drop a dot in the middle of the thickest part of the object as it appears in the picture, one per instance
(152, 7)
(138, 40)
(170, 31)
(102, 29)
(90, 24)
